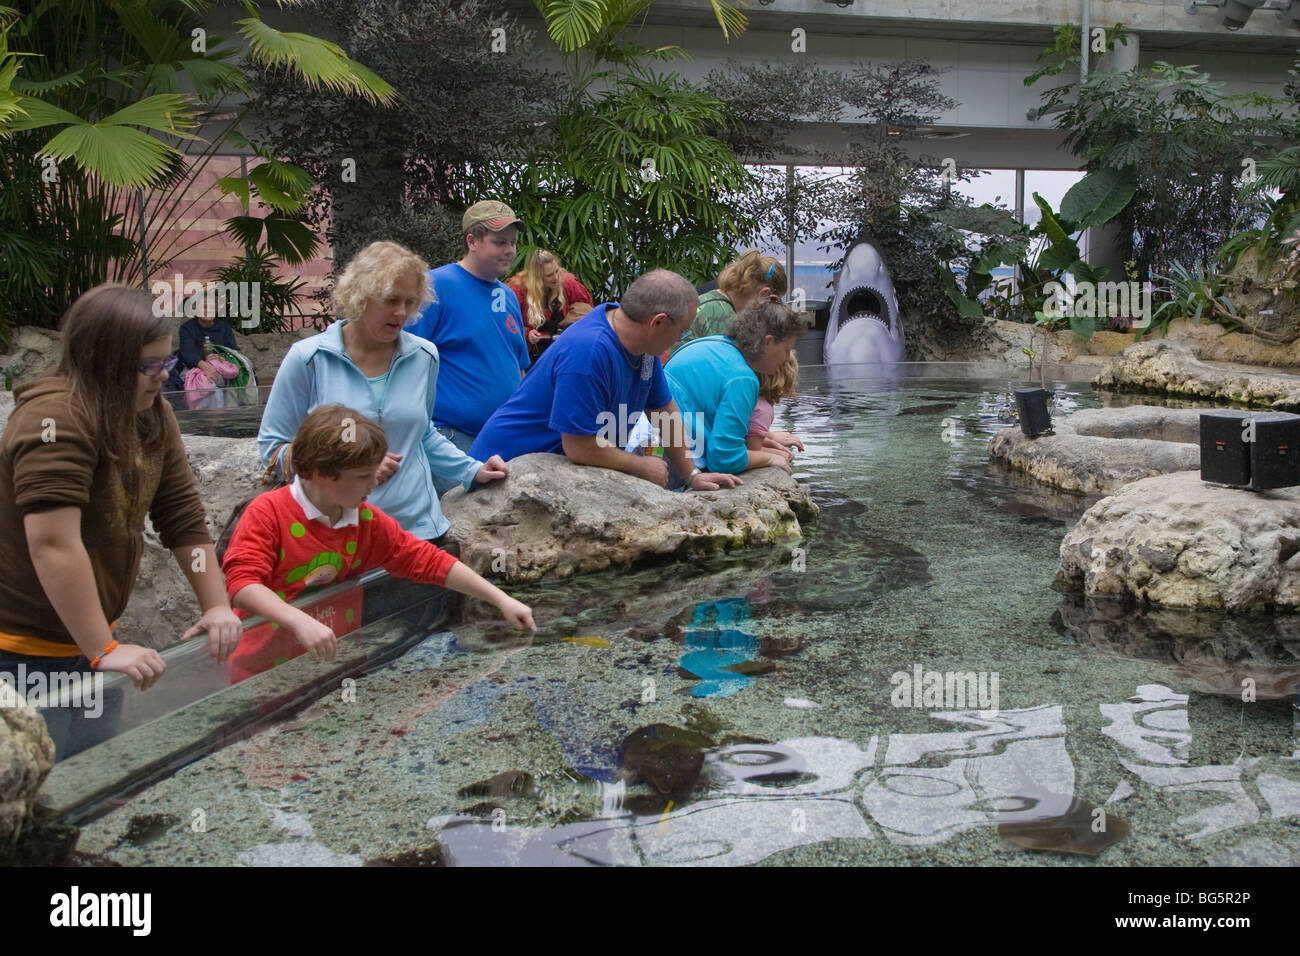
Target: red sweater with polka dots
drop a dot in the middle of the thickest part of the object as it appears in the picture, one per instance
(277, 546)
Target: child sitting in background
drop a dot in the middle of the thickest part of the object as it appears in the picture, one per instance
(319, 531)
(781, 384)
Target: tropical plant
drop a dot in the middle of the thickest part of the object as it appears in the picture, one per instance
(407, 172)
(1194, 292)
(109, 99)
(1044, 256)
(1179, 138)
(1274, 193)
(277, 297)
(882, 190)
(633, 179)
(589, 32)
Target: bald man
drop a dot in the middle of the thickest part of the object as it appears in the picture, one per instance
(587, 390)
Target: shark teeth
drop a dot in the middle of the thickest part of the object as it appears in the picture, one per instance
(876, 307)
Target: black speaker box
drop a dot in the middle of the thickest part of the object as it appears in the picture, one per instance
(1255, 450)
(1275, 452)
(1225, 456)
(1031, 403)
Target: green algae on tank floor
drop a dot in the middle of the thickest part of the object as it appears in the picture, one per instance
(482, 747)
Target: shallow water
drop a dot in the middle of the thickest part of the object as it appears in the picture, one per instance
(758, 708)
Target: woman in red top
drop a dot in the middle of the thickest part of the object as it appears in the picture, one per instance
(546, 294)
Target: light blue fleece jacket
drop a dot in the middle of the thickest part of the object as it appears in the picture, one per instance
(715, 390)
(317, 371)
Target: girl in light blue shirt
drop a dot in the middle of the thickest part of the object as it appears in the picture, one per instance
(714, 381)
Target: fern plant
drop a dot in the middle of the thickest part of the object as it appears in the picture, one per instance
(1194, 293)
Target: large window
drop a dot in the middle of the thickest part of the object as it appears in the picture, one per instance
(997, 187)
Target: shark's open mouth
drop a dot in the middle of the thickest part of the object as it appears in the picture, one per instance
(864, 302)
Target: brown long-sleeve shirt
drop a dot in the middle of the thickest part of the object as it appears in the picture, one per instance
(48, 460)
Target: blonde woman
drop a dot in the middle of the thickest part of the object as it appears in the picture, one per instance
(367, 362)
(751, 278)
(547, 295)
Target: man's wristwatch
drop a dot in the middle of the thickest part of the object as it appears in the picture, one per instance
(691, 476)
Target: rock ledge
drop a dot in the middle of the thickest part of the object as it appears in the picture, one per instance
(1175, 541)
(1098, 450)
(554, 517)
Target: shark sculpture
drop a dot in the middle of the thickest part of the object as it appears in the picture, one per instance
(863, 327)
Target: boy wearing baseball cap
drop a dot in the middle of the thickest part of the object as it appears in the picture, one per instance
(476, 324)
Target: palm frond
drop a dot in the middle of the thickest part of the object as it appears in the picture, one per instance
(119, 155)
(572, 23)
(317, 62)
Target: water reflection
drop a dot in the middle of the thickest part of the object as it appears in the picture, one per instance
(717, 650)
(1245, 656)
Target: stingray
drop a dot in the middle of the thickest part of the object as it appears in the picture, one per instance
(668, 758)
(929, 409)
(421, 856)
(1079, 830)
(509, 783)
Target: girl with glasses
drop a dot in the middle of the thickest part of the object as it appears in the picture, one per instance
(89, 451)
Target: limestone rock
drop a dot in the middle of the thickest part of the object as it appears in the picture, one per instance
(1174, 369)
(552, 516)
(1176, 541)
(26, 756)
(163, 605)
(1098, 450)
(942, 339)
(1213, 343)
(33, 351)
(6, 407)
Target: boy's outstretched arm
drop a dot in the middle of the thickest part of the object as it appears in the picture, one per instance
(319, 640)
(468, 582)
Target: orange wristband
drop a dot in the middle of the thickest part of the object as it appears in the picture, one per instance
(112, 646)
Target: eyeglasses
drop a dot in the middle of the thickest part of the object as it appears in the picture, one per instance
(151, 369)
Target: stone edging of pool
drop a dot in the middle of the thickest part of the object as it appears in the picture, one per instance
(1171, 368)
(1163, 536)
(1099, 450)
(552, 517)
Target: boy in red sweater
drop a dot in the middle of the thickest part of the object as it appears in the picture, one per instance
(320, 531)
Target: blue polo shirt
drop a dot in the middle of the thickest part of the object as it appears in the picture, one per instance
(479, 332)
(581, 386)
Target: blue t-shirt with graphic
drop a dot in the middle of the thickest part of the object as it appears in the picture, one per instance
(479, 332)
(582, 385)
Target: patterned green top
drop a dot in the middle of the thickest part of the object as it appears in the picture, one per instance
(713, 317)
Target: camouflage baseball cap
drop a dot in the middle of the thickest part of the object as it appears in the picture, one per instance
(492, 213)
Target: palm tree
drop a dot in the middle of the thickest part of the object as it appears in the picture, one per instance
(109, 108)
